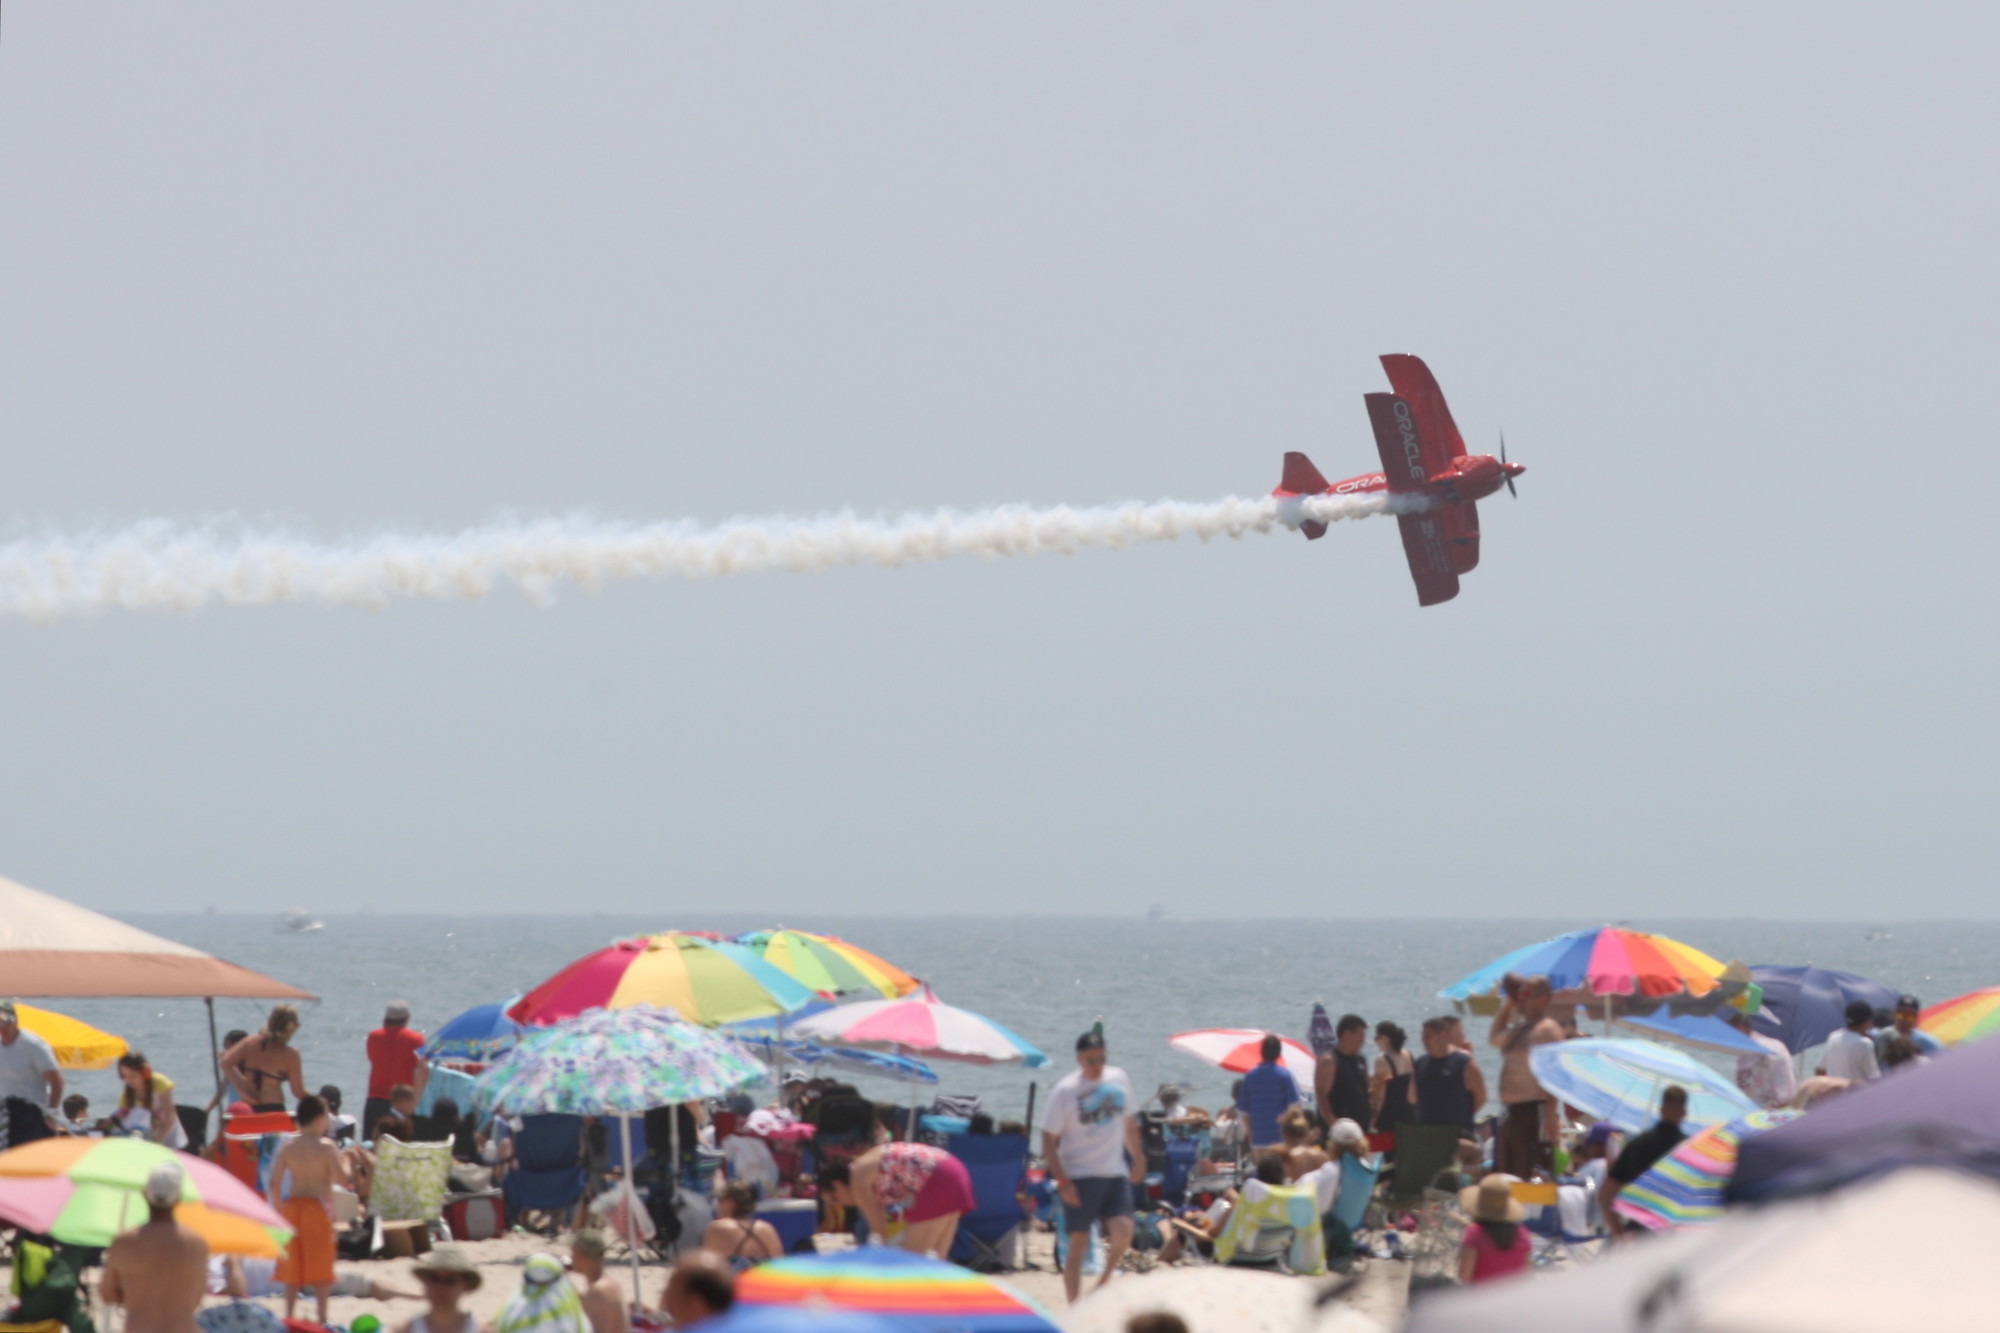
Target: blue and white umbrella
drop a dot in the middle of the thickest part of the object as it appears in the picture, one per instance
(480, 1035)
(850, 1060)
(1621, 1081)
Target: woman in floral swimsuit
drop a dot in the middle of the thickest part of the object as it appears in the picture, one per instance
(928, 1184)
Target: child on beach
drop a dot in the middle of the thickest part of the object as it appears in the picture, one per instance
(303, 1177)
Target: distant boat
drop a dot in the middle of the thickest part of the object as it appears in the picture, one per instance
(1157, 912)
(298, 923)
(1875, 936)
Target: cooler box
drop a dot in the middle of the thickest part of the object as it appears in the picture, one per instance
(476, 1216)
(794, 1220)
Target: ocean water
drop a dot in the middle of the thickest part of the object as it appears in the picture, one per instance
(1046, 978)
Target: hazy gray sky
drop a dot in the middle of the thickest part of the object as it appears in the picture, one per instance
(1726, 275)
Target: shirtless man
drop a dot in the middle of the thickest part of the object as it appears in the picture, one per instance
(159, 1272)
(313, 1165)
(700, 1287)
(603, 1299)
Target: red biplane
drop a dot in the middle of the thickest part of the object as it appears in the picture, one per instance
(1423, 455)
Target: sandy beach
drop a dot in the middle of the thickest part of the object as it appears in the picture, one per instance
(1381, 1293)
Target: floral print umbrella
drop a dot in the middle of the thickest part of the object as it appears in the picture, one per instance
(615, 1062)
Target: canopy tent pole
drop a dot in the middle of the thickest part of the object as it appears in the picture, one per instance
(215, 1064)
(631, 1202)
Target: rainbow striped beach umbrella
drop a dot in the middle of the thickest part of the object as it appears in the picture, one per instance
(910, 1291)
(704, 980)
(828, 964)
(1685, 1187)
(1607, 961)
(85, 1191)
(1971, 1016)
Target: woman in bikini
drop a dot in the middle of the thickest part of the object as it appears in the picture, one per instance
(738, 1237)
(261, 1064)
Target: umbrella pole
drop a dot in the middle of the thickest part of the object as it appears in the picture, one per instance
(631, 1202)
(914, 1085)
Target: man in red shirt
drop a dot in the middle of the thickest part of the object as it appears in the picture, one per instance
(392, 1059)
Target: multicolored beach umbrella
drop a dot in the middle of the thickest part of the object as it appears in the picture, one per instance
(1621, 1081)
(1607, 961)
(920, 1024)
(1971, 1016)
(705, 981)
(85, 1191)
(1685, 1187)
(615, 1062)
(828, 964)
(913, 1291)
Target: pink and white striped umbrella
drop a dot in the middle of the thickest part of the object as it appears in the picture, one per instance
(920, 1024)
(1236, 1050)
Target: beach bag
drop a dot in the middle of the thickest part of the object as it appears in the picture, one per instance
(623, 1213)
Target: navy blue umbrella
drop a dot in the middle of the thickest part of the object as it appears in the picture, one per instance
(480, 1035)
(1805, 1005)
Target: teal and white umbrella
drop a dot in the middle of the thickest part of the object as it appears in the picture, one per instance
(616, 1062)
(621, 1062)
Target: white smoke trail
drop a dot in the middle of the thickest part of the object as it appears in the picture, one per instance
(156, 566)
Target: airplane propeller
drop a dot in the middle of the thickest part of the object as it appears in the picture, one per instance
(1503, 463)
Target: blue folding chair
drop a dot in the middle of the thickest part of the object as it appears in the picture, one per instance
(548, 1174)
(997, 1163)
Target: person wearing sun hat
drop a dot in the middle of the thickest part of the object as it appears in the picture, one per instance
(448, 1277)
(1495, 1245)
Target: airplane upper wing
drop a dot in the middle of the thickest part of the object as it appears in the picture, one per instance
(1404, 464)
(1432, 562)
(1437, 433)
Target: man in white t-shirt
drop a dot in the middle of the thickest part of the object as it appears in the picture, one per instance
(1850, 1053)
(1091, 1143)
(1765, 1078)
(27, 1065)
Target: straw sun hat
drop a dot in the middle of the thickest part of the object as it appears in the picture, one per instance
(450, 1259)
(1492, 1200)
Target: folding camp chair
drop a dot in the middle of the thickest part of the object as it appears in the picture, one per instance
(410, 1180)
(1275, 1227)
(1554, 1243)
(549, 1174)
(997, 1164)
(1422, 1151)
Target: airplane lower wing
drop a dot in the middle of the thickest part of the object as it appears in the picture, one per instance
(1431, 552)
(1460, 524)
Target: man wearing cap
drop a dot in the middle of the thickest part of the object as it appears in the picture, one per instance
(392, 1059)
(1850, 1052)
(158, 1272)
(1091, 1144)
(27, 1065)
(1766, 1078)
(603, 1299)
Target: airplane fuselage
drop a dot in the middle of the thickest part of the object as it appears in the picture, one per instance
(1470, 477)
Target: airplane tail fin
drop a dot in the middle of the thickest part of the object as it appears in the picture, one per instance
(1302, 478)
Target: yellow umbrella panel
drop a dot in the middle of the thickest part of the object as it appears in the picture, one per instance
(77, 1045)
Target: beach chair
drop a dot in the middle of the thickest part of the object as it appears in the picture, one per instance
(1422, 1152)
(410, 1180)
(548, 1175)
(1554, 1241)
(997, 1164)
(1274, 1227)
(243, 1150)
(1357, 1190)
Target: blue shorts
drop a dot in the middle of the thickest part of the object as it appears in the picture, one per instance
(1098, 1199)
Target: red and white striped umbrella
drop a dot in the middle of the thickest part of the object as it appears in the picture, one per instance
(1237, 1050)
